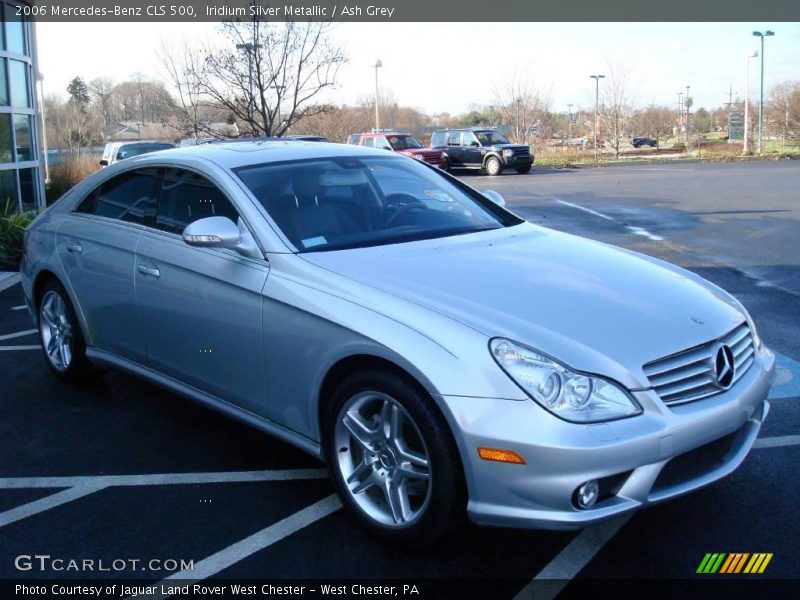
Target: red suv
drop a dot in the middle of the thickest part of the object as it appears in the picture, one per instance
(403, 143)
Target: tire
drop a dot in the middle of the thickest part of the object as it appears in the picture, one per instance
(444, 165)
(403, 483)
(493, 166)
(524, 170)
(61, 337)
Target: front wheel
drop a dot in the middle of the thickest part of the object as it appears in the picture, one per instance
(493, 166)
(392, 458)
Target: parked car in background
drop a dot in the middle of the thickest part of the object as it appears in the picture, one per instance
(481, 148)
(402, 143)
(638, 142)
(117, 151)
(443, 355)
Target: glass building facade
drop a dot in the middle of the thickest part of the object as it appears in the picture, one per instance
(21, 182)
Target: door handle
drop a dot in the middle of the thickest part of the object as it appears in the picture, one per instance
(74, 247)
(147, 270)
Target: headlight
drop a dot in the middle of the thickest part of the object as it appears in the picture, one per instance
(419, 157)
(572, 396)
(508, 153)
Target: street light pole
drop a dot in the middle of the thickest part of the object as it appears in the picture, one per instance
(597, 79)
(761, 35)
(378, 64)
(746, 147)
(249, 48)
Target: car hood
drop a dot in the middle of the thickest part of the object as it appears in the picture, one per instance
(595, 307)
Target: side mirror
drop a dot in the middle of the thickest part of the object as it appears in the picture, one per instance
(221, 232)
(103, 162)
(495, 197)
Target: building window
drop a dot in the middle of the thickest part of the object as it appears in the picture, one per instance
(3, 85)
(15, 31)
(28, 185)
(22, 133)
(8, 189)
(6, 143)
(18, 82)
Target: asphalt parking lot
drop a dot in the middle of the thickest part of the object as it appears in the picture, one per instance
(124, 469)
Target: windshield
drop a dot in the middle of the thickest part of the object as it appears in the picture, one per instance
(488, 138)
(338, 203)
(403, 142)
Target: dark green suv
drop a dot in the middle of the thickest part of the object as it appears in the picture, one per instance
(481, 148)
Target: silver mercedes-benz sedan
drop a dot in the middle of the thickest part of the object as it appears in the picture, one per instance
(443, 356)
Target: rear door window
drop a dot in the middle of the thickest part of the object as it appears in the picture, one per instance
(129, 197)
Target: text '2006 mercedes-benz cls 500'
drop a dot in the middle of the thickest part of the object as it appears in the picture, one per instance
(443, 356)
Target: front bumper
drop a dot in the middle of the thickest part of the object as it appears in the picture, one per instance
(660, 454)
(517, 161)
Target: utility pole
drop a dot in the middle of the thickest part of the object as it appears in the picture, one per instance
(688, 102)
(597, 79)
(761, 94)
(378, 64)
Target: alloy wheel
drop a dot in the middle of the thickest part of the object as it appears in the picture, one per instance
(383, 459)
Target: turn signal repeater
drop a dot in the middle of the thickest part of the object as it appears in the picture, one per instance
(500, 455)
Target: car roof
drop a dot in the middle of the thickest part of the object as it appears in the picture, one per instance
(232, 155)
(467, 129)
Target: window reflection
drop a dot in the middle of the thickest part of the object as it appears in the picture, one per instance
(15, 32)
(18, 82)
(5, 139)
(22, 129)
(27, 188)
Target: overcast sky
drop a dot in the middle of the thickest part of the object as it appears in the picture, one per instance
(440, 67)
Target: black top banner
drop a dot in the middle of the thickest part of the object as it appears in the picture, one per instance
(412, 10)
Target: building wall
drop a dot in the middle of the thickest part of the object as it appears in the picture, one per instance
(21, 181)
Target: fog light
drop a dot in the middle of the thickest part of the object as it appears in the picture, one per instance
(586, 494)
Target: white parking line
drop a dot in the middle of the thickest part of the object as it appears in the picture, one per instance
(9, 282)
(9, 348)
(583, 548)
(223, 559)
(11, 336)
(162, 479)
(633, 229)
(569, 562)
(777, 441)
(46, 503)
(20, 307)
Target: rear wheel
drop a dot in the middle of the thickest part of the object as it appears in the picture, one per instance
(392, 458)
(493, 166)
(60, 335)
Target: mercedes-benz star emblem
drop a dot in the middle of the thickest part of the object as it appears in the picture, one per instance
(724, 367)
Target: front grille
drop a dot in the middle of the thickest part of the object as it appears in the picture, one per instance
(695, 463)
(690, 375)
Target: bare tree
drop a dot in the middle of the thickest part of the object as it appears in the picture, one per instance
(268, 75)
(183, 67)
(387, 104)
(616, 109)
(101, 90)
(782, 112)
(524, 107)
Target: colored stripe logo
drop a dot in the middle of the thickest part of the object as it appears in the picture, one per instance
(734, 562)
